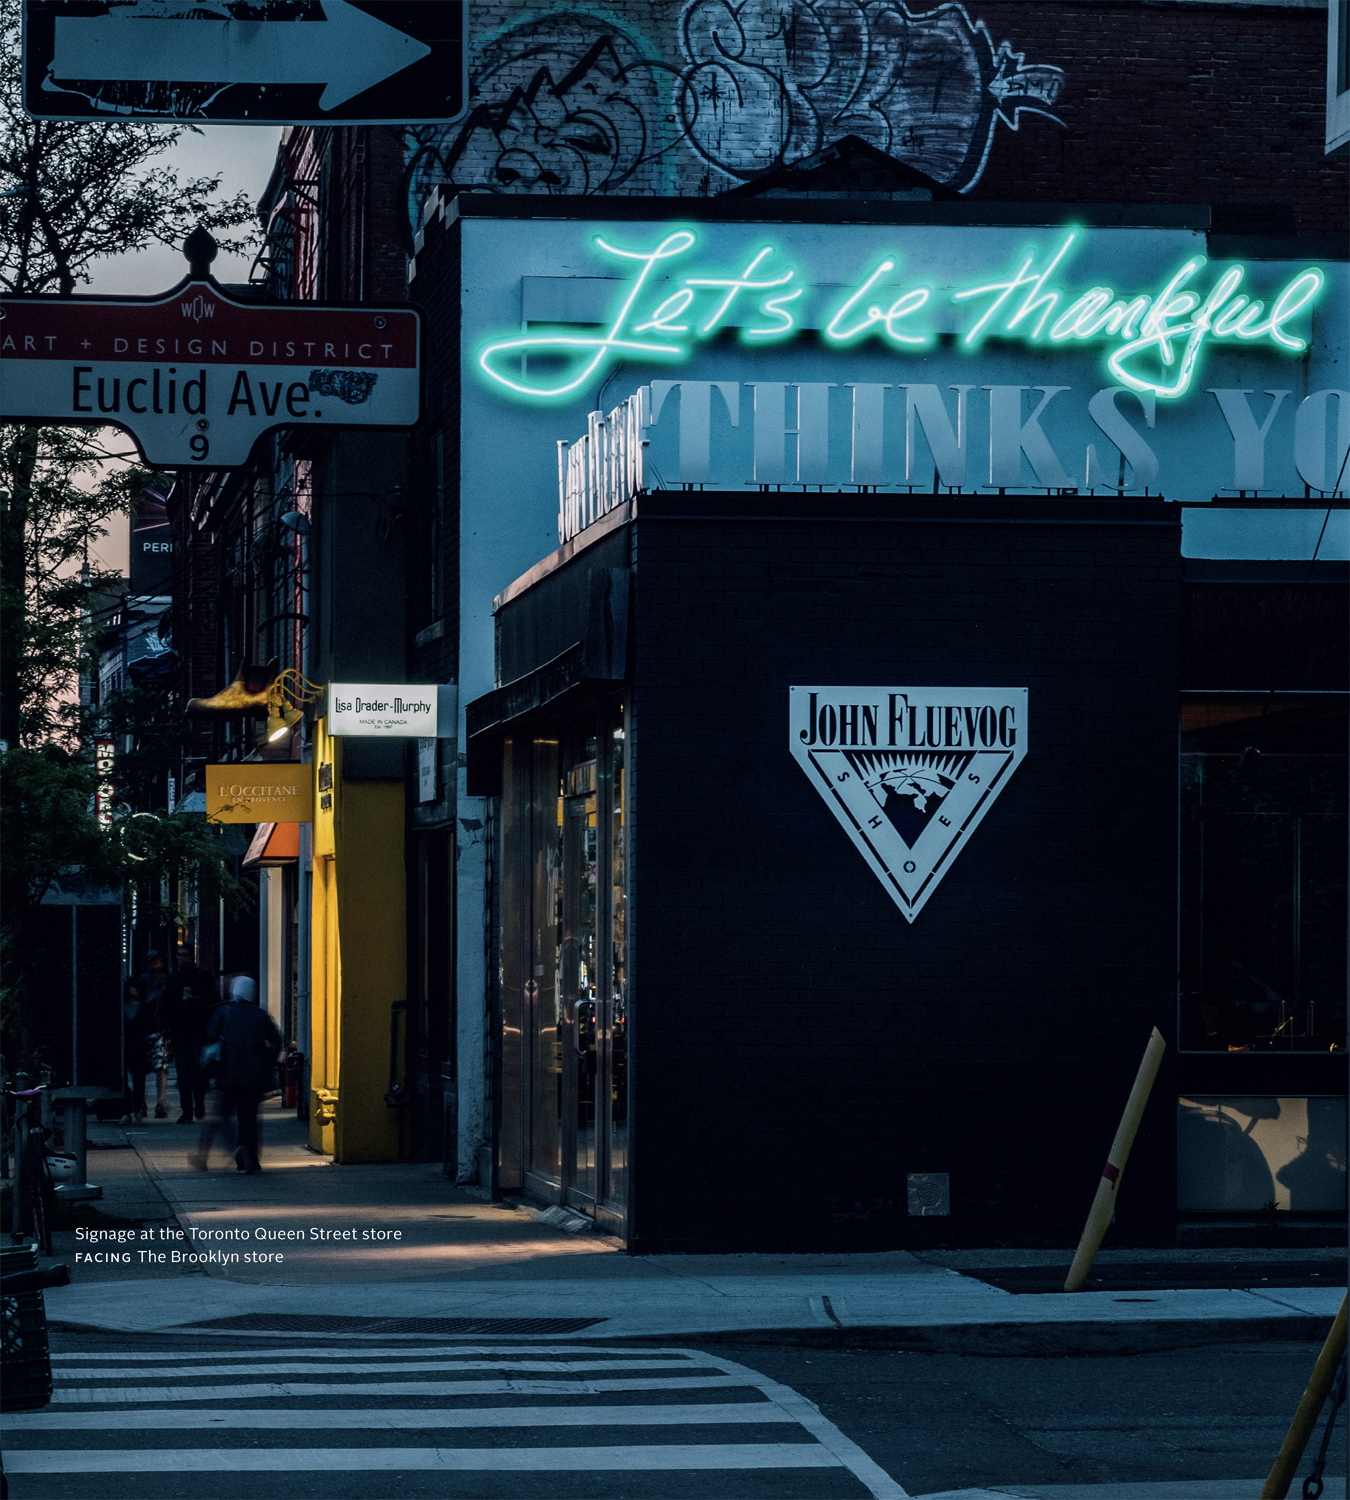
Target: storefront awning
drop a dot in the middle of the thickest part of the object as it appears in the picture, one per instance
(273, 845)
(597, 663)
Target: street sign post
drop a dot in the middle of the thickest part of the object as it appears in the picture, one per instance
(297, 62)
(196, 377)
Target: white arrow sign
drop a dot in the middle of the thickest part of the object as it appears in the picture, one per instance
(349, 51)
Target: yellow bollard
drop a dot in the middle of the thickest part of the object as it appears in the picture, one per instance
(1104, 1204)
(1281, 1475)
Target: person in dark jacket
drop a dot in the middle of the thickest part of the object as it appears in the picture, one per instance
(137, 1059)
(249, 1044)
(152, 983)
(190, 1000)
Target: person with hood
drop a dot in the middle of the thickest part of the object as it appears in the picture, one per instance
(242, 1046)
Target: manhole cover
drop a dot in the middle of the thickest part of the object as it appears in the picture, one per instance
(324, 1323)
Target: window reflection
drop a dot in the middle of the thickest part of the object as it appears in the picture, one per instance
(1263, 837)
(617, 1186)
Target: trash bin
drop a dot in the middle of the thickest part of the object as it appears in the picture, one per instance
(25, 1362)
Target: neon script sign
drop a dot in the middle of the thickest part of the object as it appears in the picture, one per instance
(1156, 339)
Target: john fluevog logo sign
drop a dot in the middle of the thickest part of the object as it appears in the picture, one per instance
(909, 772)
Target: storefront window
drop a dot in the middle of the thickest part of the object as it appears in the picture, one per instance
(1262, 871)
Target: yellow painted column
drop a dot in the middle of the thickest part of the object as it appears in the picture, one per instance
(326, 971)
(372, 920)
(360, 958)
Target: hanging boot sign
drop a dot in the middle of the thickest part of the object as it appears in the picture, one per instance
(196, 375)
(909, 772)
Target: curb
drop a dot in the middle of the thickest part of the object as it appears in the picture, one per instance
(985, 1340)
(1006, 1340)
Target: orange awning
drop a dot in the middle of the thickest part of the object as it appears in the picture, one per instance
(273, 845)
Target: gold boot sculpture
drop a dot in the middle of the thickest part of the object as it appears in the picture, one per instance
(249, 693)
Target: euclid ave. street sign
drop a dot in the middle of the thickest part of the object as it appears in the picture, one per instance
(246, 62)
(197, 377)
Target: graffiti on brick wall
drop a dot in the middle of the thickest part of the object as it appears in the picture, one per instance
(575, 100)
(767, 83)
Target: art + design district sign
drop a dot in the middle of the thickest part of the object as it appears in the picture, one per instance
(246, 62)
(196, 377)
(909, 772)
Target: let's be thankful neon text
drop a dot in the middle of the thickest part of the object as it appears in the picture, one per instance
(1154, 340)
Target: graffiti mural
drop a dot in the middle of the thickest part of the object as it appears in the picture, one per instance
(767, 83)
(575, 99)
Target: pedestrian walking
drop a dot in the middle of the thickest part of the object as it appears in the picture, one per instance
(190, 1000)
(158, 1050)
(241, 1051)
(136, 1059)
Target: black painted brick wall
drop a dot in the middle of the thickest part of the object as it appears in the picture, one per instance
(1172, 104)
(438, 293)
(798, 1046)
(1264, 637)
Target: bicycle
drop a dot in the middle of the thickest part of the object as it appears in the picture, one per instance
(33, 1186)
(14, 1286)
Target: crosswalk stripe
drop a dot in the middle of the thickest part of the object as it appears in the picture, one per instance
(168, 1407)
(287, 1367)
(882, 1486)
(299, 1460)
(89, 1395)
(748, 1413)
(442, 1350)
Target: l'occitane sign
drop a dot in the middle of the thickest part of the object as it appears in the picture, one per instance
(267, 792)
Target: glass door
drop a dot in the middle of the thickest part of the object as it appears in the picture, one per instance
(563, 1132)
(581, 981)
(612, 1084)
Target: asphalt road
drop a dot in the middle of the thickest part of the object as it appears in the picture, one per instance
(169, 1416)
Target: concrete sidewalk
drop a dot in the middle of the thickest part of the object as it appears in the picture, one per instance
(308, 1239)
(1187, 1489)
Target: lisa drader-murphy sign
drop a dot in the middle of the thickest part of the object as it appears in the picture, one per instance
(909, 772)
(397, 711)
(196, 377)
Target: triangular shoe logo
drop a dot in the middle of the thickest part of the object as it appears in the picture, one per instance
(909, 772)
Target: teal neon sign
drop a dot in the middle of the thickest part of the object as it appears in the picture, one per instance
(1155, 340)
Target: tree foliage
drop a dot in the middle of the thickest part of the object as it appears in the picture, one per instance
(153, 848)
(77, 192)
(70, 195)
(59, 496)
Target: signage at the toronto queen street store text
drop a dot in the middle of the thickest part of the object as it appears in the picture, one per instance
(909, 772)
(247, 62)
(396, 711)
(196, 377)
(1153, 339)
